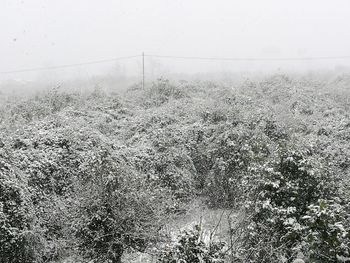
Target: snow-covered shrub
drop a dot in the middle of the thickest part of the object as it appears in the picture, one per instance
(190, 247)
(286, 216)
(162, 91)
(326, 232)
(117, 210)
(19, 240)
(235, 151)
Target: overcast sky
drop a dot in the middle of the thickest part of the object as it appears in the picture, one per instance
(36, 33)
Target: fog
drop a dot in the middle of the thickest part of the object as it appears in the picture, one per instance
(41, 33)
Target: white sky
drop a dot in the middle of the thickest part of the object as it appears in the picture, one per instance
(36, 33)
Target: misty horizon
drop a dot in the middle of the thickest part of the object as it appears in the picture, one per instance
(41, 34)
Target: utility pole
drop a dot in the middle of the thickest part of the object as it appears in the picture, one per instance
(143, 70)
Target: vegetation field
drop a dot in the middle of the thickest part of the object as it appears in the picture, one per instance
(255, 171)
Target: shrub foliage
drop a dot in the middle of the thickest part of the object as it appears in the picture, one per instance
(93, 175)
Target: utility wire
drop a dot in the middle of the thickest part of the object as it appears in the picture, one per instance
(68, 65)
(174, 57)
(251, 59)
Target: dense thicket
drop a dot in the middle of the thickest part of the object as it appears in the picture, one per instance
(97, 174)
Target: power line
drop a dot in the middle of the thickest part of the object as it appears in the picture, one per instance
(68, 65)
(174, 57)
(251, 59)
